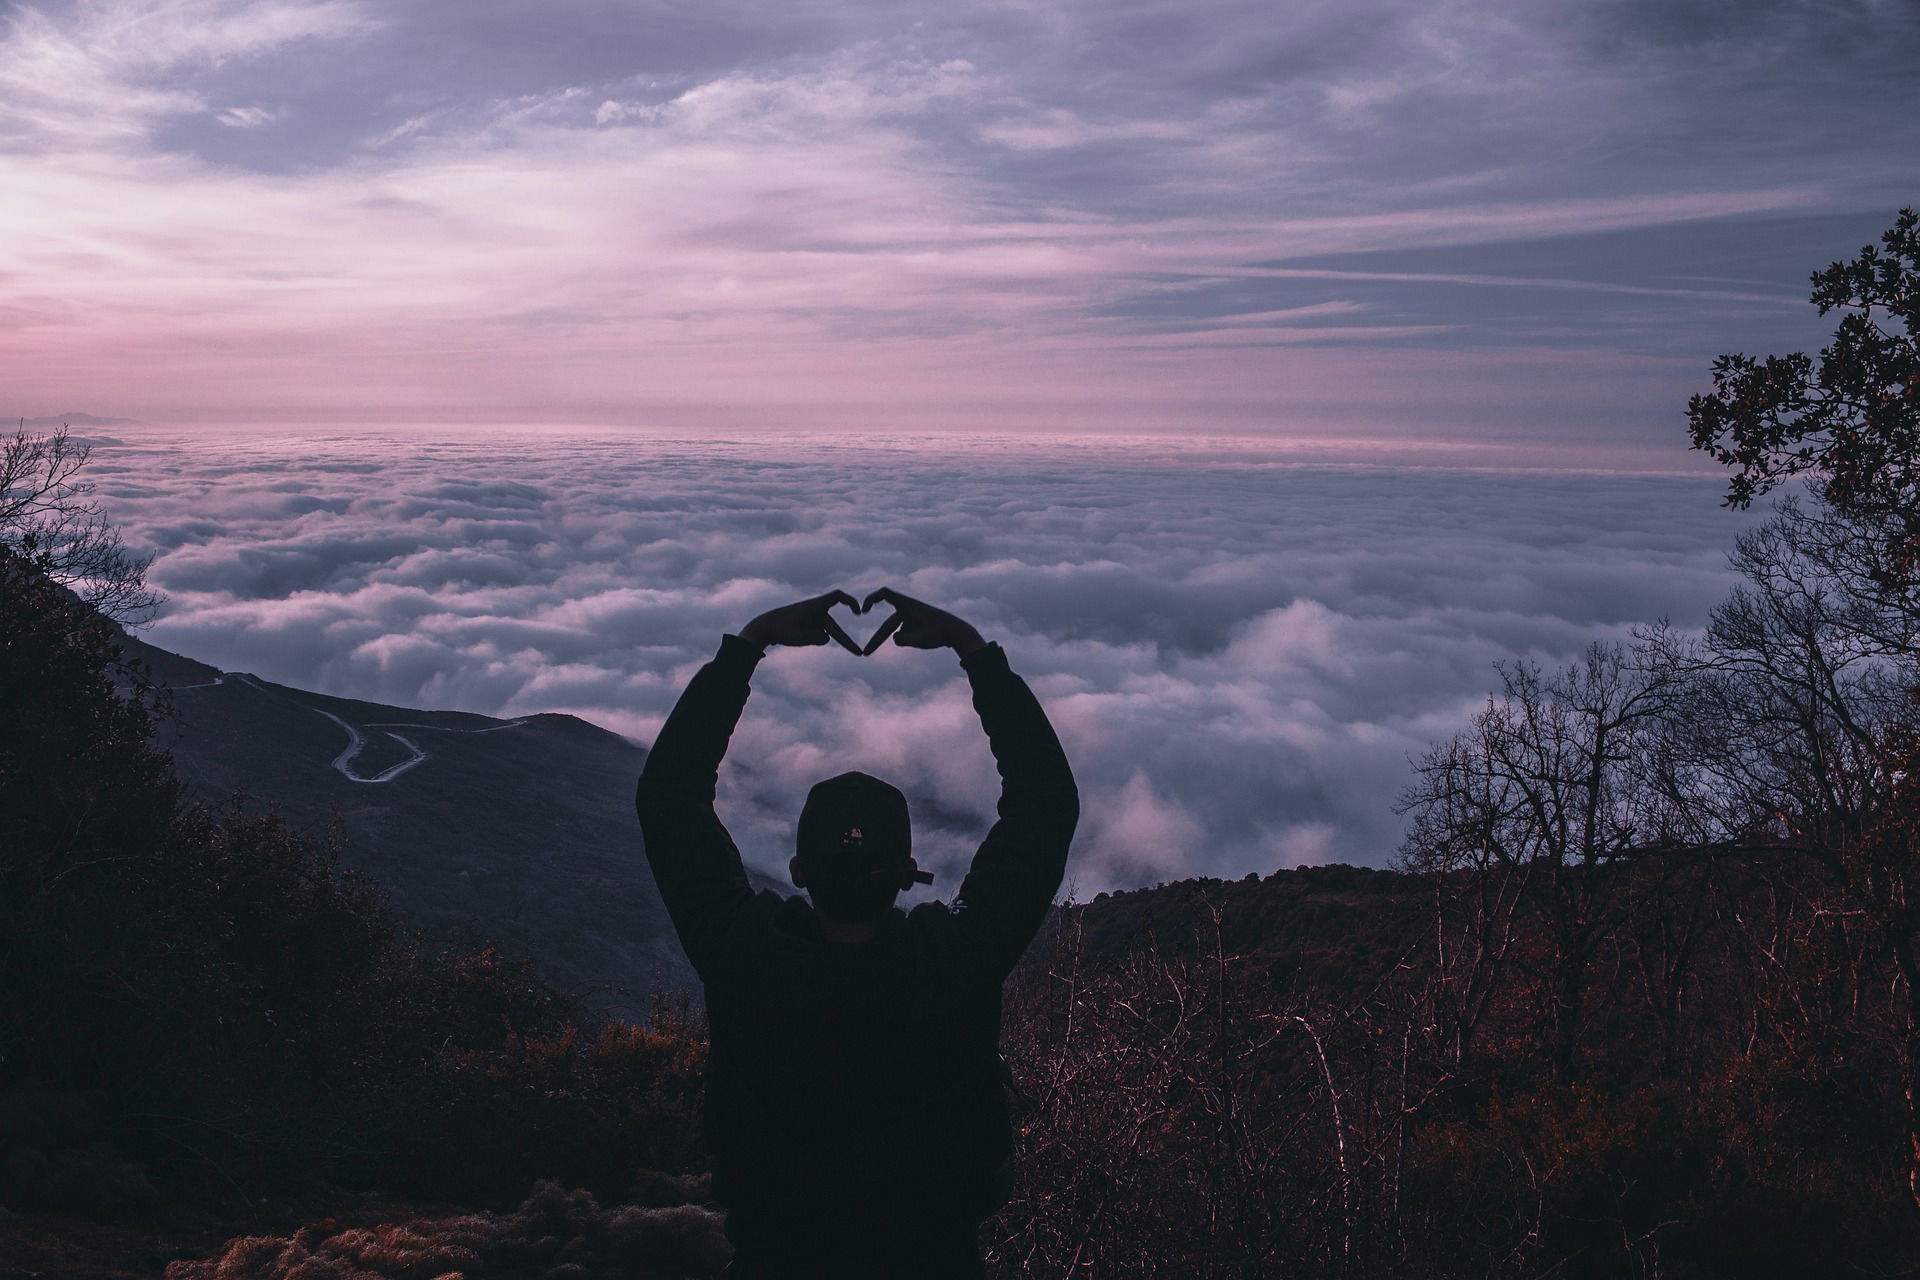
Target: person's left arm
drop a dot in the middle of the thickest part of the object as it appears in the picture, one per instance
(694, 859)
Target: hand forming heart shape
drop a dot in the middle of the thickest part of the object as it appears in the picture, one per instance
(914, 624)
(874, 641)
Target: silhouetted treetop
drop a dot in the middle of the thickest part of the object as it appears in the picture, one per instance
(49, 517)
(1852, 417)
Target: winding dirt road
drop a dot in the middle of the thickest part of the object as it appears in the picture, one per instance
(356, 740)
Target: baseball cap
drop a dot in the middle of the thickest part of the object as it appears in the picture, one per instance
(854, 828)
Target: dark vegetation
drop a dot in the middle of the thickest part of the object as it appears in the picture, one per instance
(557, 1233)
(204, 1005)
(1642, 998)
(518, 837)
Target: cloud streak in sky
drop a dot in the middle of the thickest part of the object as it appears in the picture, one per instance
(1240, 651)
(968, 215)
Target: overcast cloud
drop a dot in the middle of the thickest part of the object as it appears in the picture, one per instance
(1440, 218)
(1240, 649)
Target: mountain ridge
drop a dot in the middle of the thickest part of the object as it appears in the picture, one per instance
(517, 833)
(76, 420)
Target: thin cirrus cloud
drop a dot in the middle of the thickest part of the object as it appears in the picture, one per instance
(1241, 645)
(982, 215)
(246, 117)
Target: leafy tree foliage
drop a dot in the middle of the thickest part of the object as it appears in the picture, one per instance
(1852, 419)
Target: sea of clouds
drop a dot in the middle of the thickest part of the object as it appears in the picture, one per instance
(1241, 644)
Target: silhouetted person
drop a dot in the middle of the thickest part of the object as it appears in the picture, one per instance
(855, 1104)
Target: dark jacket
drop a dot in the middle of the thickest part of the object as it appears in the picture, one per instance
(854, 1088)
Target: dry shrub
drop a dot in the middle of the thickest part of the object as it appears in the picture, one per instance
(54, 1155)
(586, 1104)
(556, 1234)
(1178, 1115)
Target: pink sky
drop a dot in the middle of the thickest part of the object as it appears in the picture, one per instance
(270, 210)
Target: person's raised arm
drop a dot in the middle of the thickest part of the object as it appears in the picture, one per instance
(694, 860)
(1019, 866)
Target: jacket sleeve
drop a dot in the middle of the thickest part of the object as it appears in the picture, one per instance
(1018, 868)
(694, 860)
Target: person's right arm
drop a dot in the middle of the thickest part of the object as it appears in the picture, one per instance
(694, 860)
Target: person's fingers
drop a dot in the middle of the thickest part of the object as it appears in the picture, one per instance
(837, 596)
(883, 594)
(918, 613)
(887, 628)
(834, 629)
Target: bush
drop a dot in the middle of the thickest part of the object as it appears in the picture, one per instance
(555, 1235)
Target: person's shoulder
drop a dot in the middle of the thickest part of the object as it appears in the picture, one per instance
(771, 905)
(734, 945)
(956, 943)
(930, 915)
(938, 923)
(759, 913)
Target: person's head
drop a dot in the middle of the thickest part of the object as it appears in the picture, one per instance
(854, 848)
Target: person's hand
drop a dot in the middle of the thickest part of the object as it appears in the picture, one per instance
(919, 625)
(804, 623)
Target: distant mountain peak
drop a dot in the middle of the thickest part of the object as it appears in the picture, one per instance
(76, 420)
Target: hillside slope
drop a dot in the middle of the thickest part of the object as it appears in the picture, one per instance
(519, 832)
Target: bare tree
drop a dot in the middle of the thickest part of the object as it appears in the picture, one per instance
(1182, 1114)
(1883, 872)
(1849, 551)
(48, 516)
(1801, 712)
(1460, 808)
(1549, 785)
(1792, 690)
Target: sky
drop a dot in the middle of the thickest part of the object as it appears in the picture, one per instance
(1241, 645)
(1507, 222)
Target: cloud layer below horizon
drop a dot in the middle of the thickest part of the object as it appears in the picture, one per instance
(1241, 649)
